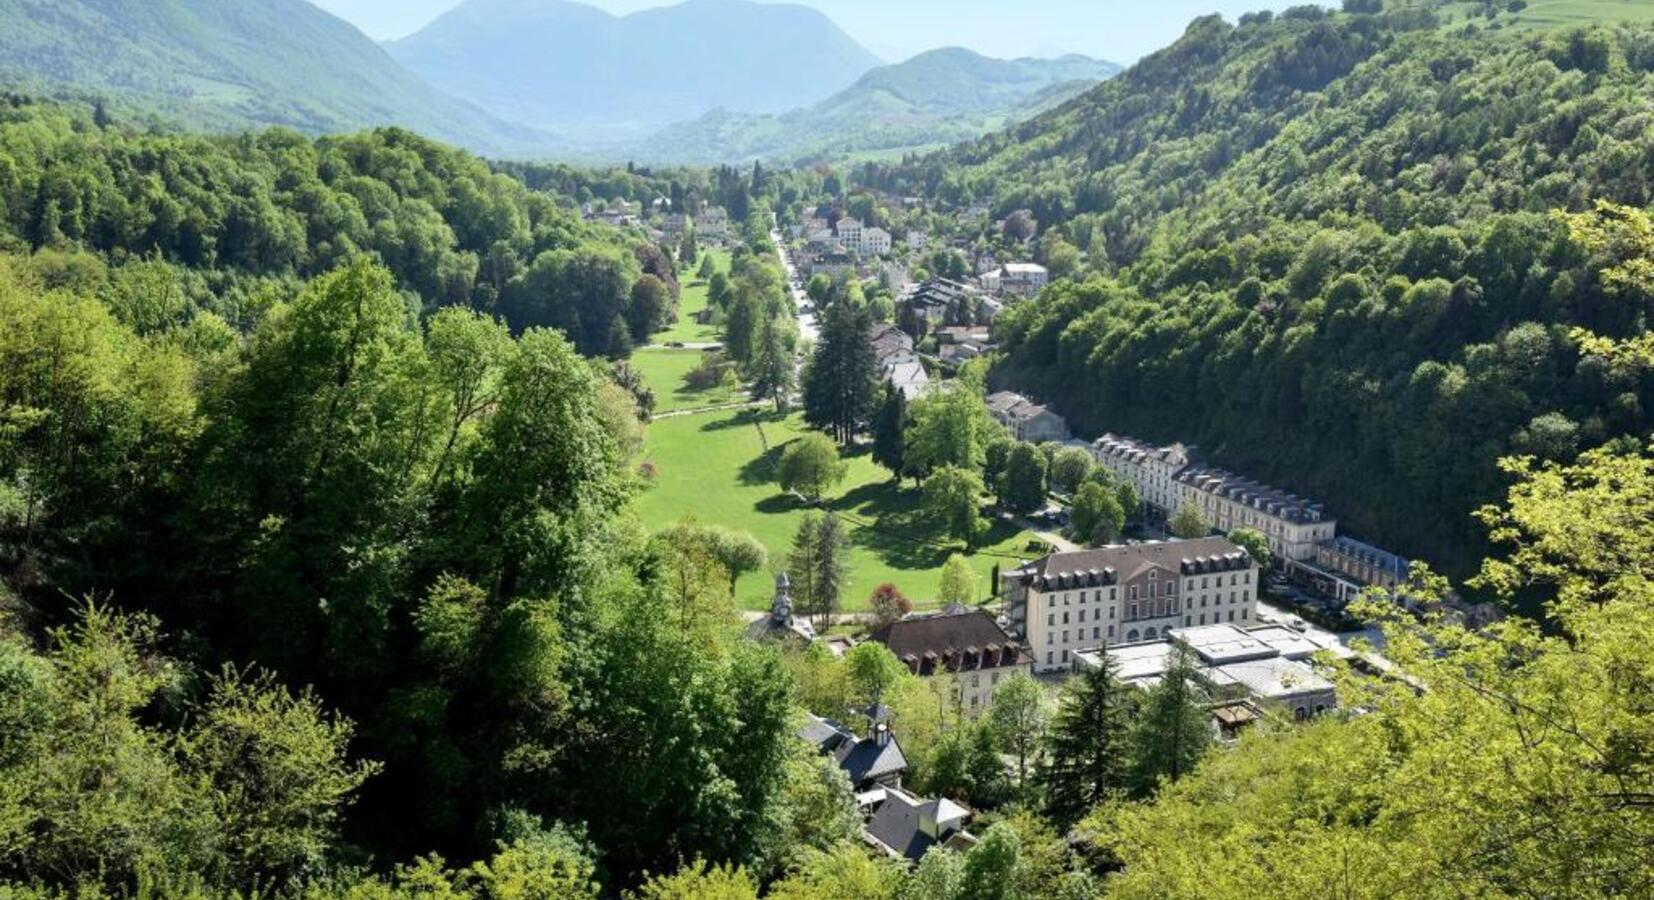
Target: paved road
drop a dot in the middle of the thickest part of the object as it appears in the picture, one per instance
(1062, 544)
(807, 326)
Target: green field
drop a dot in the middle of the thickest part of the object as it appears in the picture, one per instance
(665, 369)
(719, 468)
(693, 300)
(1554, 13)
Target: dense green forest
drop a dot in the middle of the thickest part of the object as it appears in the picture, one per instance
(229, 217)
(1323, 248)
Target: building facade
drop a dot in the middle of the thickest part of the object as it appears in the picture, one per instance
(1293, 525)
(1026, 420)
(1069, 602)
(967, 646)
(1151, 470)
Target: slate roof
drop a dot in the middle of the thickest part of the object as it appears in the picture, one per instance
(898, 824)
(863, 759)
(888, 341)
(962, 641)
(1112, 565)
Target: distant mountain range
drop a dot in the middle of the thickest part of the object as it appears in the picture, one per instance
(575, 69)
(935, 98)
(232, 64)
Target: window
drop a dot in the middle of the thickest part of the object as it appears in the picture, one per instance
(994, 678)
(1148, 634)
(1111, 632)
(1131, 613)
(1065, 636)
(1096, 633)
(1111, 613)
(975, 700)
(1134, 592)
(1082, 617)
(1065, 618)
(1243, 615)
(1065, 656)
(1231, 615)
(1131, 636)
(1187, 621)
(1048, 657)
(1203, 618)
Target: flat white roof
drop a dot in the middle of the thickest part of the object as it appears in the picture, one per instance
(1219, 644)
(1276, 678)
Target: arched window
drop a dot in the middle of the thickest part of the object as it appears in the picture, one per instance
(1131, 636)
(1301, 713)
(1148, 635)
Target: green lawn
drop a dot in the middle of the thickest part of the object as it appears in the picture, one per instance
(665, 369)
(1555, 13)
(692, 301)
(719, 468)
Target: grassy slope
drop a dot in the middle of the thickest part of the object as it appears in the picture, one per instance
(693, 300)
(1555, 13)
(665, 369)
(719, 468)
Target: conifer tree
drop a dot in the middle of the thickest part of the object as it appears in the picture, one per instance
(1174, 728)
(1085, 750)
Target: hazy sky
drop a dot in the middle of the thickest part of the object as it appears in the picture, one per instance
(1121, 30)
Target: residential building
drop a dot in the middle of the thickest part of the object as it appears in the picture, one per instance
(869, 762)
(918, 239)
(891, 346)
(1068, 602)
(675, 225)
(1151, 470)
(965, 645)
(1352, 566)
(1270, 665)
(956, 355)
(712, 225)
(849, 232)
(939, 300)
(908, 377)
(1027, 420)
(906, 827)
(821, 239)
(1292, 525)
(874, 242)
(959, 334)
(1022, 279)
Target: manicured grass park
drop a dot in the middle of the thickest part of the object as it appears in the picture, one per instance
(665, 369)
(693, 300)
(719, 467)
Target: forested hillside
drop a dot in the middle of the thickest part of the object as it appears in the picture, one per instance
(1325, 250)
(229, 216)
(933, 99)
(225, 65)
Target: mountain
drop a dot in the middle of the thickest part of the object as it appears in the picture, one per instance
(575, 69)
(1333, 250)
(936, 98)
(232, 64)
